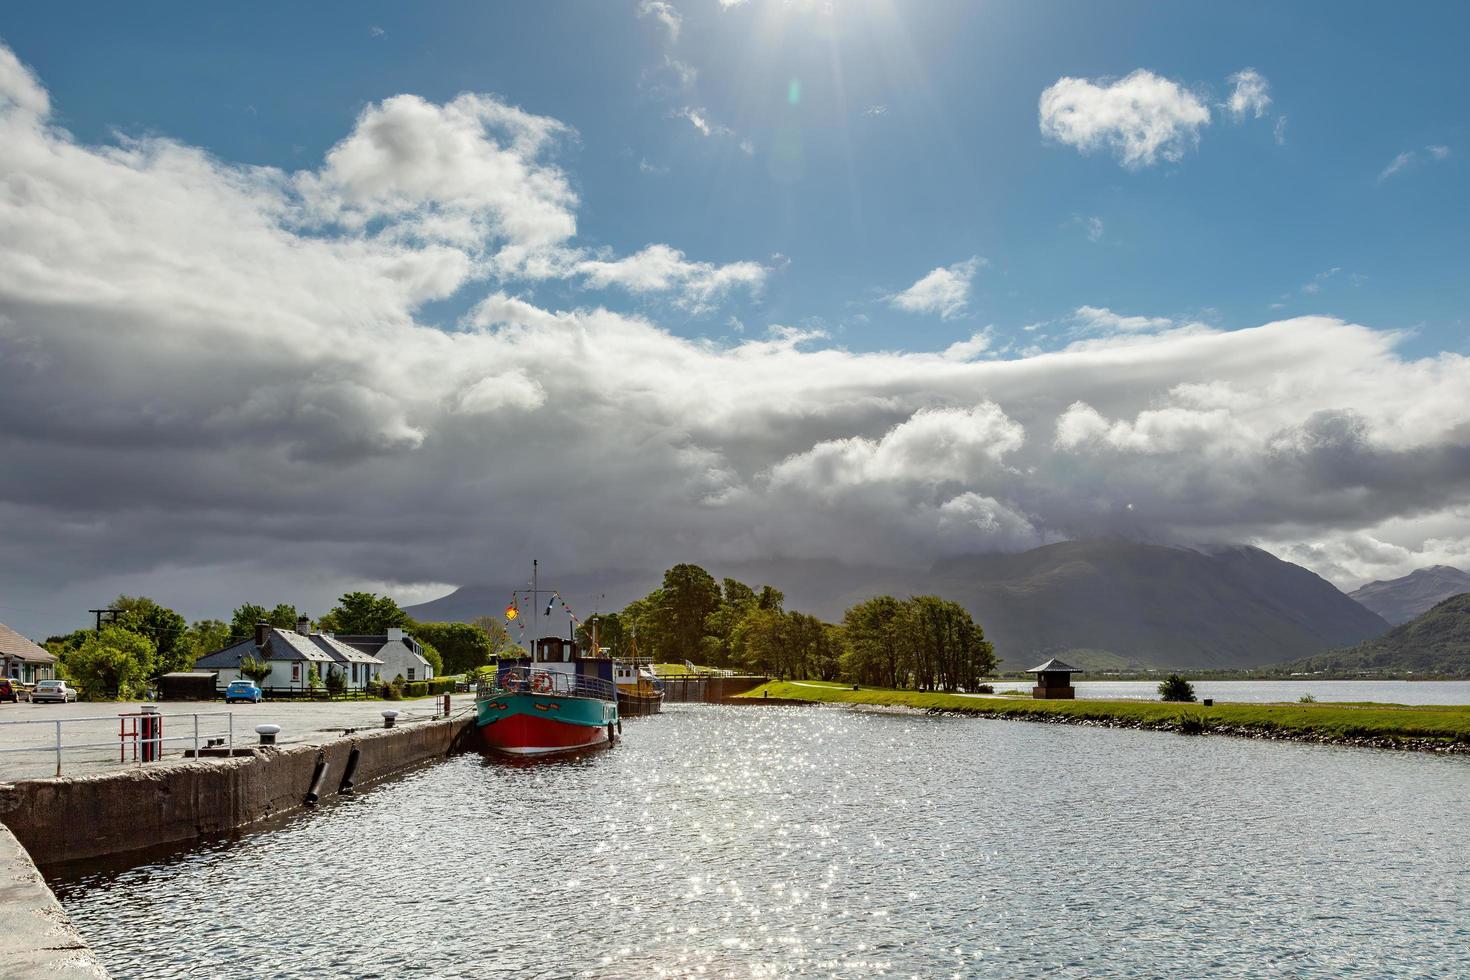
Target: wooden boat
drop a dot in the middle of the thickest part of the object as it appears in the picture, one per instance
(640, 692)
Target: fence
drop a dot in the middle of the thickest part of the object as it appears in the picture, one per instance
(146, 735)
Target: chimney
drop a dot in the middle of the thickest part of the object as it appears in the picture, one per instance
(395, 634)
(260, 632)
(303, 625)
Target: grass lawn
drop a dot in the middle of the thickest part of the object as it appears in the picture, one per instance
(1450, 723)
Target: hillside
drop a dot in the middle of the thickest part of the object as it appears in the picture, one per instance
(1101, 604)
(1400, 600)
(1111, 604)
(1436, 642)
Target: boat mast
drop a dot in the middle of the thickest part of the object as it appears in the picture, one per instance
(535, 610)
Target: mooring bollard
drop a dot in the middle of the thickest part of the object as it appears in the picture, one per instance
(267, 733)
(389, 717)
(446, 704)
(152, 734)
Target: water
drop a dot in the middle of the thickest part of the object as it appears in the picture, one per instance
(765, 841)
(1389, 692)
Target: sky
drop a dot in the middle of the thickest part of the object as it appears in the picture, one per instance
(297, 299)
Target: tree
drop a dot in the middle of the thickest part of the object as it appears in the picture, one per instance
(243, 620)
(1175, 688)
(336, 682)
(114, 662)
(256, 670)
(364, 613)
(161, 625)
(203, 638)
(461, 646)
(949, 650)
(874, 651)
(500, 641)
(612, 634)
(688, 597)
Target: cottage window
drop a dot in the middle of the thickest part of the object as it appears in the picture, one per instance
(410, 673)
(295, 673)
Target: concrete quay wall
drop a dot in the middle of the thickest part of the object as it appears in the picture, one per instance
(75, 818)
(37, 939)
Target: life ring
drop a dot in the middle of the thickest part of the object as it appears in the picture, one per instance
(510, 682)
(541, 684)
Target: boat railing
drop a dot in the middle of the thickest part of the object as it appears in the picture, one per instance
(539, 680)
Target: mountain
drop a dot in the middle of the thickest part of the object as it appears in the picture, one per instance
(1102, 604)
(1436, 642)
(1400, 600)
(1117, 604)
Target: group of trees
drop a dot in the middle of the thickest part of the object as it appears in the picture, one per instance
(924, 642)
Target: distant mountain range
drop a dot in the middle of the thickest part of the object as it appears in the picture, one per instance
(1101, 604)
(1434, 642)
(1116, 604)
(1400, 600)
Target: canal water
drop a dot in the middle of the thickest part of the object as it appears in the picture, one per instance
(767, 842)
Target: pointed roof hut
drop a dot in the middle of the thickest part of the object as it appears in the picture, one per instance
(1054, 680)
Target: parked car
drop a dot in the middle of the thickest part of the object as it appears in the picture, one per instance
(53, 691)
(13, 690)
(243, 691)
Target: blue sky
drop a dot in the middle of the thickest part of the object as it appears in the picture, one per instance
(861, 204)
(409, 295)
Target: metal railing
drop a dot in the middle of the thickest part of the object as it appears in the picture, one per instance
(538, 680)
(148, 742)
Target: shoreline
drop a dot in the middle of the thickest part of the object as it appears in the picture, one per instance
(1443, 730)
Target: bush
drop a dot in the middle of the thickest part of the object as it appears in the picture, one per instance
(1306, 699)
(113, 663)
(1176, 688)
(985, 689)
(442, 685)
(1191, 723)
(336, 682)
(415, 689)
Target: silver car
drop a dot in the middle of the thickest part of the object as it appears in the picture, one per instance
(53, 691)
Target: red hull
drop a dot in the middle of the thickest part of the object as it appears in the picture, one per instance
(530, 735)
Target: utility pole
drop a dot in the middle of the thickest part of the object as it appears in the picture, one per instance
(109, 612)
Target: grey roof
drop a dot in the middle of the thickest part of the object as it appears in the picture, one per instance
(229, 657)
(341, 652)
(279, 645)
(1055, 666)
(12, 644)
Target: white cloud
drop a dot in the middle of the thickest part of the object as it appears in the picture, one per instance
(1250, 96)
(464, 173)
(945, 291)
(665, 13)
(727, 4)
(1411, 158)
(967, 350)
(1314, 285)
(659, 268)
(1100, 319)
(192, 376)
(377, 31)
(1093, 225)
(875, 110)
(699, 119)
(650, 168)
(1279, 130)
(1142, 117)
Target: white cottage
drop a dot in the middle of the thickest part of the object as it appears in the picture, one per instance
(293, 656)
(21, 660)
(399, 653)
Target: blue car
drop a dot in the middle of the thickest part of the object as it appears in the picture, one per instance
(243, 691)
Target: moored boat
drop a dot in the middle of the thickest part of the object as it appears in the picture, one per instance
(640, 692)
(552, 702)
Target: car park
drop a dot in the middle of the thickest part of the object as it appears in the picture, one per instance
(46, 691)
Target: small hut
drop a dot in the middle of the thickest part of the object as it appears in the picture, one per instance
(1054, 680)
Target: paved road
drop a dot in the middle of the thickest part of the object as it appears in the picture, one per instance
(97, 725)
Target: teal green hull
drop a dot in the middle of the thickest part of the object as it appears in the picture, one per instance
(538, 724)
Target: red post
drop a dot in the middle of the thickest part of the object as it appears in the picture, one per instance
(446, 704)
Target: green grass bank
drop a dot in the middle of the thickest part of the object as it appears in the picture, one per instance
(1441, 728)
